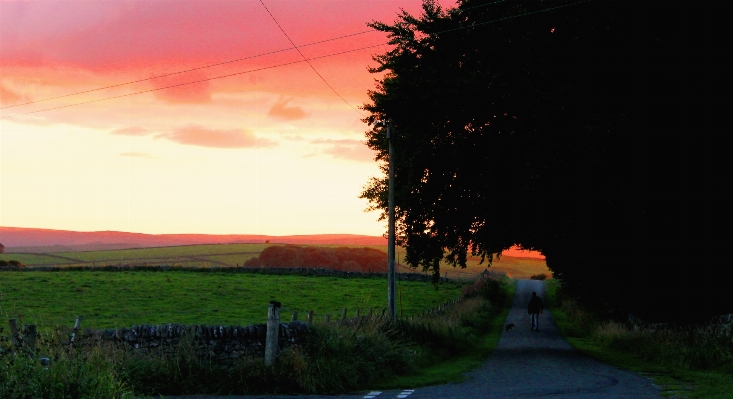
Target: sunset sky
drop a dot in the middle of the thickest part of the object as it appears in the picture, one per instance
(272, 151)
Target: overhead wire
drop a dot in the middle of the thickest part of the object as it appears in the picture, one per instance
(189, 70)
(307, 60)
(195, 81)
(214, 65)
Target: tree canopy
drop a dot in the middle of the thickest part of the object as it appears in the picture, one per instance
(590, 131)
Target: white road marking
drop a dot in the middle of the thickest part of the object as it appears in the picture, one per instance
(372, 395)
(405, 393)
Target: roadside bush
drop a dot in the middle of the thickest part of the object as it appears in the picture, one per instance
(689, 346)
(695, 347)
(488, 288)
(339, 357)
(70, 375)
(454, 331)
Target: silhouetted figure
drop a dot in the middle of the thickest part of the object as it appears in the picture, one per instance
(535, 308)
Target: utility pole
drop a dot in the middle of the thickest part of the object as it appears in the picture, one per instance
(391, 302)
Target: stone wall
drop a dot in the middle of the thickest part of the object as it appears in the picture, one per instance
(223, 343)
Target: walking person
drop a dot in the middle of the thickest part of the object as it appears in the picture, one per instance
(534, 309)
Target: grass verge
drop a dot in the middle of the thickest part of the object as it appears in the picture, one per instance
(442, 368)
(689, 361)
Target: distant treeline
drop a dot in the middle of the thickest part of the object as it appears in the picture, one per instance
(341, 258)
(11, 263)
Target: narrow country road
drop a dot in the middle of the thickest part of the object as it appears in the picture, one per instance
(526, 364)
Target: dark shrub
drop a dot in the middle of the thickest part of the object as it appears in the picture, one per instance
(342, 258)
(485, 287)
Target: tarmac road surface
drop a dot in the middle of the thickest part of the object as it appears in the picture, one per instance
(526, 364)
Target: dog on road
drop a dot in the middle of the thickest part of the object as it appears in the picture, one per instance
(509, 326)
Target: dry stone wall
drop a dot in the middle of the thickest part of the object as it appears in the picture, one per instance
(223, 343)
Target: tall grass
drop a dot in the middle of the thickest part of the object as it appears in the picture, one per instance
(686, 346)
(72, 374)
(692, 347)
(333, 358)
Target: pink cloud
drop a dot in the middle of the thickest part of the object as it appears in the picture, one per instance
(181, 90)
(353, 150)
(122, 41)
(281, 110)
(131, 131)
(203, 137)
(9, 97)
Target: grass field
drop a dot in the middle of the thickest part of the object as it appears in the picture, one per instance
(186, 255)
(232, 255)
(122, 299)
(216, 255)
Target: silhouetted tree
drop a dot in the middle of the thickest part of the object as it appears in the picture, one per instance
(592, 132)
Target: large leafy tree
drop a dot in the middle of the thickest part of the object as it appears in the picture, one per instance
(591, 131)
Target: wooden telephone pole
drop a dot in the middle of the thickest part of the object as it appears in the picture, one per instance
(391, 302)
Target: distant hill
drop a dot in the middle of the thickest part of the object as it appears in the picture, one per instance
(29, 240)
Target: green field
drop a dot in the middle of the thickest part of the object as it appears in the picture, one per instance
(215, 255)
(122, 299)
(233, 255)
(185, 255)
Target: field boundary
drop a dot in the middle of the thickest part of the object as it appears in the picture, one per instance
(300, 271)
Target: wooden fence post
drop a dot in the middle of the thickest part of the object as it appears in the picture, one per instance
(357, 312)
(310, 317)
(17, 339)
(273, 330)
(295, 316)
(328, 318)
(343, 314)
(31, 337)
(77, 323)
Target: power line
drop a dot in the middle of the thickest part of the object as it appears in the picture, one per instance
(189, 70)
(306, 60)
(195, 81)
(217, 64)
(263, 68)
